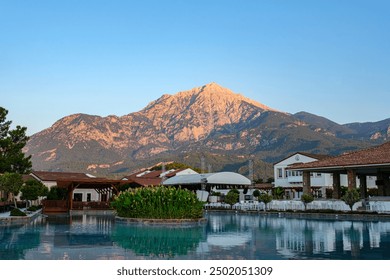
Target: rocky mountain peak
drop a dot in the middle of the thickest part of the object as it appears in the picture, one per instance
(213, 87)
(207, 118)
(211, 95)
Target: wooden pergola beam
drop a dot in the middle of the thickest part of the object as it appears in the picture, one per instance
(100, 185)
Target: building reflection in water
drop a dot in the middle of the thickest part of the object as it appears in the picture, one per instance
(288, 238)
(310, 238)
(224, 236)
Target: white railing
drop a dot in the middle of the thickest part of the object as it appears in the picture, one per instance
(294, 179)
(378, 206)
(296, 205)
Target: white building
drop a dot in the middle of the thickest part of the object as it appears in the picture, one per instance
(220, 182)
(292, 181)
(49, 179)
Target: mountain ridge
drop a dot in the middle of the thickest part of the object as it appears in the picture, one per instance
(209, 119)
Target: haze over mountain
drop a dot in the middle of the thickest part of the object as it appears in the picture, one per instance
(210, 120)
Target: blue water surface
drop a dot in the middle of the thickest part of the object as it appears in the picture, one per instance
(224, 236)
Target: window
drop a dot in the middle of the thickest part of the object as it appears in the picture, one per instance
(280, 172)
(78, 197)
(88, 197)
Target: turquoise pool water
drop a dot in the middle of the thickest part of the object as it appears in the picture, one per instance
(223, 236)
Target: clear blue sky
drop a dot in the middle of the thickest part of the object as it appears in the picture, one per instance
(327, 57)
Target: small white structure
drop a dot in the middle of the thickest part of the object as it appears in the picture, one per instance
(292, 180)
(219, 179)
(214, 182)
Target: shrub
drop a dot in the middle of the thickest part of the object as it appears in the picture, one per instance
(351, 197)
(34, 208)
(306, 198)
(216, 194)
(235, 191)
(265, 198)
(232, 197)
(124, 187)
(270, 180)
(17, 212)
(343, 190)
(57, 193)
(256, 193)
(158, 203)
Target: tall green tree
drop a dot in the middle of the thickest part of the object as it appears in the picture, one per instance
(33, 189)
(12, 142)
(11, 183)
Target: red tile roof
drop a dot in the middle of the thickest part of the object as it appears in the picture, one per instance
(88, 182)
(379, 155)
(143, 178)
(173, 173)
(151, 178)
(146, 181)
(152, 174)
(27, 177)
(54, 176)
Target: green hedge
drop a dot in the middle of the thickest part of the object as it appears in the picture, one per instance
(158, 203)
(34, 208)
(17, 212)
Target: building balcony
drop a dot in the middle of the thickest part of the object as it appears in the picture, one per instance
(294, 179)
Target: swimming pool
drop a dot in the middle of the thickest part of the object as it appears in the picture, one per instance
(224, 236)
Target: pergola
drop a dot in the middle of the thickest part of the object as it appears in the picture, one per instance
(373, 161)
(100, 185)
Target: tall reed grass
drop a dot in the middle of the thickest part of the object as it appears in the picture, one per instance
(158, 203)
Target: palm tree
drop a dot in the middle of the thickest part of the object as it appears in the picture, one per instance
(278, 192)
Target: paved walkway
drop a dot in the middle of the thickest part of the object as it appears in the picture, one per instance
(4, 214)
